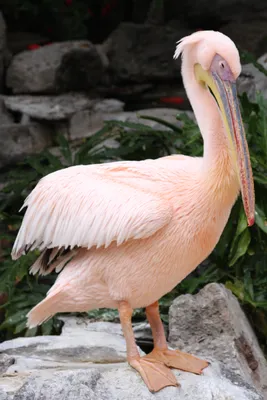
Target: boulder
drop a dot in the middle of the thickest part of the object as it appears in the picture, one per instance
(49, 351)
(143, 53)
(87, 122)
(66, 66)
(120, 382)
(18, 141)
(88, 360)
(50, 108)
(252, 80)
(5, 116)
(212, 322)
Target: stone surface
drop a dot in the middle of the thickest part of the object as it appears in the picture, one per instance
(212, 322)
(51, 108)
(87, 122)
(98, 347)
(252, 80)
(18, 141)
(120, 382)
(5, 116)
(88, 362)
(66, 66)
(79, 326)
(143, 53)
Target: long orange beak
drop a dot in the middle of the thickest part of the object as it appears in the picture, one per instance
(226, 95)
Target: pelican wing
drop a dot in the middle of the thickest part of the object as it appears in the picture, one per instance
(87, 206)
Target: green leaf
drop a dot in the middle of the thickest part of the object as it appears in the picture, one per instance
(47, 327)
(240, 248)
(65, 148)
(31, 332)
(20, 327)
(13, 319)
(162, 122)
(260, 219)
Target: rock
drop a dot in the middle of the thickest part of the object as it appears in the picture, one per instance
(87, 122)
(212, 322)
(5, 116)
(18, 141)
(91, 347)
(252, 80)
(80, 326)
(50, 108)
(66, 66)
(143, 53)
(246, 82)
(88, 362)
(120, 382)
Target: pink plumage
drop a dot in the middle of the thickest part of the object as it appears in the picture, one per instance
(124, 234)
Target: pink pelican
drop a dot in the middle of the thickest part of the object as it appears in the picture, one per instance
(124, 234)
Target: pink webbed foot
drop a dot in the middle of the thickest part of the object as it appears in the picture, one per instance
(154, 373)
(179, 360)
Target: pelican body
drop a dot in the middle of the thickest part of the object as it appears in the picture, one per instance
(124, 234)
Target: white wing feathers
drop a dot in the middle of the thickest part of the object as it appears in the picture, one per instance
(82, 206)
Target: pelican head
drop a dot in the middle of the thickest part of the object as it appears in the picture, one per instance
(217, 67)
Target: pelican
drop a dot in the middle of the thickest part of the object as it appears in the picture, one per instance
(123, 234)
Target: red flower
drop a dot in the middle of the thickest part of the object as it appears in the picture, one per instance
(33, 46)
(68, 2)
(172, 100)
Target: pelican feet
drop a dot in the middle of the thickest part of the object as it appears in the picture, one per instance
(179, 360)
(154, 373)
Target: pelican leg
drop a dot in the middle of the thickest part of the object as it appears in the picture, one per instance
(154, 373)
(171, 358)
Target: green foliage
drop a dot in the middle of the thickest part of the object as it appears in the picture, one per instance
(239, 260)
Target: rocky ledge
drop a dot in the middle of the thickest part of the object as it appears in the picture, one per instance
(88, 360)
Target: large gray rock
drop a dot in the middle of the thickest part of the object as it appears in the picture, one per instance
(252, 80)
(143, 53)
(87, 122)
(88, 362)
(55, 68)
(50, 108)
(212, 322)
(80, 326)
(5, 116)
(44, 351)
(120, 382)
(18, 141)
